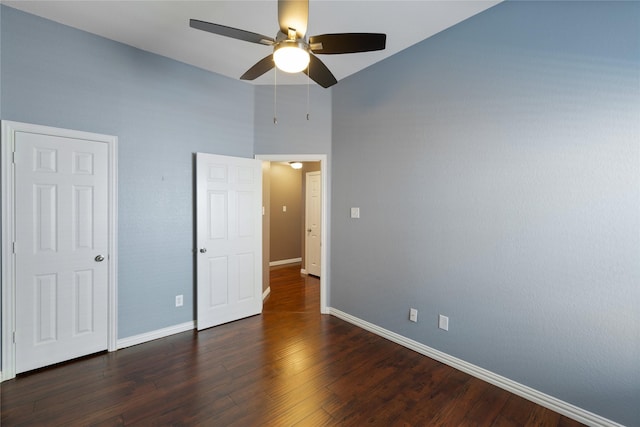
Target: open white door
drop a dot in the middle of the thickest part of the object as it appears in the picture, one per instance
(229, 238)
(313, 222)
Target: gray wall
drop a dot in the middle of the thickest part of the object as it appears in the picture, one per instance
(496, 167)
(162, 112)
(293, 134)
(1, 9)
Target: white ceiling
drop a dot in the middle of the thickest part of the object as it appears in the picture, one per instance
(162, 27)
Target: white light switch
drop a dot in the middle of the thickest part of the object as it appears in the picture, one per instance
(443, 322)
(355, 212)
(284, 209)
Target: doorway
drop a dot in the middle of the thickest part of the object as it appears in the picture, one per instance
(59, 252)
(324, 258)
(312, 222)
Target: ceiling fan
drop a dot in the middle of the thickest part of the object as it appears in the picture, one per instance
(292, 52)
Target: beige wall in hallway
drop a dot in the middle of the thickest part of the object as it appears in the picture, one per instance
(286, 190)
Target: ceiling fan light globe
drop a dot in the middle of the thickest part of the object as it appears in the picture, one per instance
(291, 59)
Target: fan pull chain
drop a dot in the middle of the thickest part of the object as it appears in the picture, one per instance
(308, 83)
(275, 97)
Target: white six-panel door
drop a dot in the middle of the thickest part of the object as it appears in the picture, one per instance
(229, 236)
(313, 222)
(61, 252)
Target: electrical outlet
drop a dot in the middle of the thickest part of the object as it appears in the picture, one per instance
(178, 300)
(413, 315)
(443, 322)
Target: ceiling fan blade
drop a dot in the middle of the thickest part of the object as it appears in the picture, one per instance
(293, 14)
(319, 73)
(261, 67)
(331, 44)
(234, 33)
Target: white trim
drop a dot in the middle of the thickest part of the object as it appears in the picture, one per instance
(112, 336)
(266, 293)
(326, 197)
(9, 128)
(154, 335)
(285, 261)
(303, 271)
(504, 383)
(8, 351)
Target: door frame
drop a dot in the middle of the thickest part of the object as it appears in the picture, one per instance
(7, 178)
(326, 195)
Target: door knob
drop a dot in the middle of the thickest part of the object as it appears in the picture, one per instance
(99, 258)
(203, 250)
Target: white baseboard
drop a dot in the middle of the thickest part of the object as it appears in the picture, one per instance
(285, 261)
(521, 390)
(303, 271)
(154, 335)
(266, 293)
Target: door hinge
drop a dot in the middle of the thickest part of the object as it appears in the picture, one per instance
(14, 247)
(14, 337)
(13, 159)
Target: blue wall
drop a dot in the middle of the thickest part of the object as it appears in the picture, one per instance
(162, 111)
(497, 169)
(293, 134)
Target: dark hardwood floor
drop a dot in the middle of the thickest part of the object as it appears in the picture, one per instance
(288, 366)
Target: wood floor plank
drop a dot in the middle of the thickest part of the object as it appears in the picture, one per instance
(319, 418)
(289, 366)
(515, 412)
